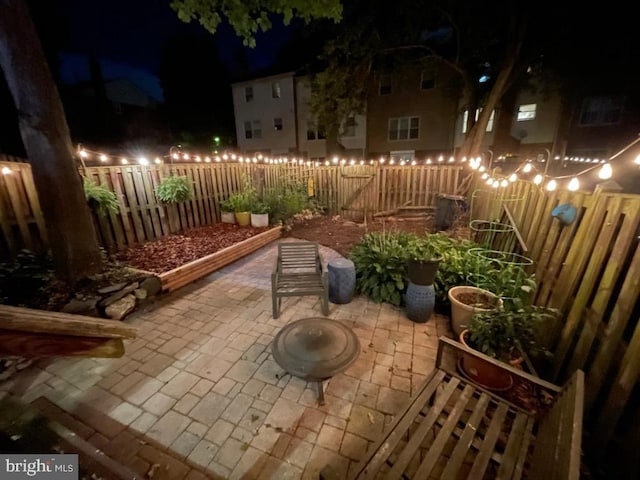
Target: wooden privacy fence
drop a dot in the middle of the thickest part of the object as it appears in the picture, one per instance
(351, 191)
(590, 269)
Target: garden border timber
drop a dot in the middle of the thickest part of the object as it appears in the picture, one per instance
(192, 271)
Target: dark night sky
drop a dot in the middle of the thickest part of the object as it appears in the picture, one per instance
(128, 35)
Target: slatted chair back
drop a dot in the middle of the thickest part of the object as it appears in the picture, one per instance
(557, 451)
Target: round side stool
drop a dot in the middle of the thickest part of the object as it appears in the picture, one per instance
(421, 300)
(342, 280)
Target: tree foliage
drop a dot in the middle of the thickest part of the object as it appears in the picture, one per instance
(248, 17)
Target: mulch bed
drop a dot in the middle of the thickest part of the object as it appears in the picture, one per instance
(175, 250)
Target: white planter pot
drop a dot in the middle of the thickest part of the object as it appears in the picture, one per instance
(259, 219)
(461, 313)
(228, 217)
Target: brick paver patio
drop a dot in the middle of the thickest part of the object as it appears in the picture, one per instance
(199, 395)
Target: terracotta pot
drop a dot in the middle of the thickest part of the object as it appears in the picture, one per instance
(243, 218)
(423, 272)
(462, 312)
(485, 373)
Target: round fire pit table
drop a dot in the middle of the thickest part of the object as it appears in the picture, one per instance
(315, 349)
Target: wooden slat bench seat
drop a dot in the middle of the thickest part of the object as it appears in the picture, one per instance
(453, 429)
(299, 271)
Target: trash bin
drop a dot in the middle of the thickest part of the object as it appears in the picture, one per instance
(446, 208)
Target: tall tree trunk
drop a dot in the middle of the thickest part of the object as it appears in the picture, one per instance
(46, 138)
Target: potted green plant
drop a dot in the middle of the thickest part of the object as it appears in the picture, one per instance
(423, 262)
(227, 215)
(505, 335)
(99, 198)
(241, 202)
(174, 189)
(468, 300)
(260, 214)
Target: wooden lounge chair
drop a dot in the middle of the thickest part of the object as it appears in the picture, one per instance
(299, 271)
(453, 429)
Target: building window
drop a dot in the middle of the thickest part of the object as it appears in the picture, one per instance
(526, 112)
(427, 79)
(404, 128)
(384, 87)
(349, 127)
(315, 132)
(252, 129)
(277, 123)
(248, 94)
(275, 90)
(465, 119)
(601, 110)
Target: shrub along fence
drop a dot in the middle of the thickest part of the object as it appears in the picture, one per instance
(590, 269)
(354, 192)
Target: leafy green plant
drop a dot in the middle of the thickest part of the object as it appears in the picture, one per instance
(174, 189)
(241, 201)
(260, 207)
(225, 206)
(23, 279)
(506, 334)
(102, 200)
(285, 202)
(380, 259)
(422, 248)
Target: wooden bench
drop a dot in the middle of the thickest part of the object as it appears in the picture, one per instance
(299, 271)
(453, 429)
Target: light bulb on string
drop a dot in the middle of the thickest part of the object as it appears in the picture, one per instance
(551, 186)
(175, 156)
(158, 161)
(537, 179)
(84, 154)
(451, 160)
(527, 168)
(143, 161)
(6, 170)
(485, 175)
(124, 161)
(513, 177)
(495, 184)
(574, 184)
(185, 157)
(489, 181)
(504, 183)
(103, 158)
(481, 169)
(605, 172)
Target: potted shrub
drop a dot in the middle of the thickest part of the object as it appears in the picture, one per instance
(174, 189)
(504, 335)
(241, 202)
(100, 199)
(260, 214)
(227, 215)
(467, 300)
(423, 262)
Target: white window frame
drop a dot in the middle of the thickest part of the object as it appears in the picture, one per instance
(252, 129)
(465, 118)
(248, 94)
(526, 112)
(399, 128)
(350, 127)
(276, 92)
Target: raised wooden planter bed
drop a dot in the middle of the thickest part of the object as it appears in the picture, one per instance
(192, 271)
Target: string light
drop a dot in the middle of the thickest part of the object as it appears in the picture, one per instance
(574, 184)
(537, 179)
(513, 177)
(103, 158)
(605, 172)
(551, 186)
(143, 161)
(124, 161)
(158, 161)
(527, 168)
(637, 160)
(6, 170)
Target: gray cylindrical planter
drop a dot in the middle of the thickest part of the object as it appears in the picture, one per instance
(421, 300)
(342, 280)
